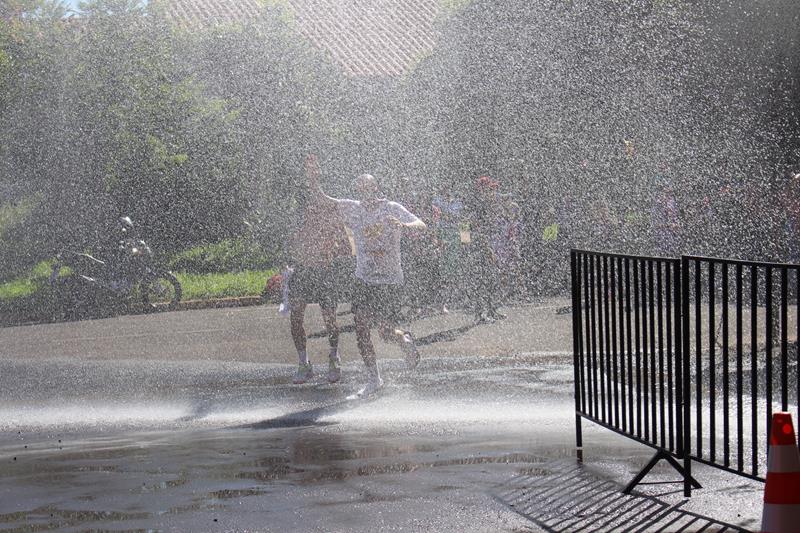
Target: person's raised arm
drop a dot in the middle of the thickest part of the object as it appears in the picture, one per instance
(312, 174)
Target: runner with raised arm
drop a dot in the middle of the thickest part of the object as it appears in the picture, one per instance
(317, 249)
(377, 226)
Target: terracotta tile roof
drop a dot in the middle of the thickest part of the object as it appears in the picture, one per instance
(366, 37)
(209, 12)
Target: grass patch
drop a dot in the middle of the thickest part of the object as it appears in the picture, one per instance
(223, 285)
(18, 288)
(195, 286)
(230, 255)
(30, 298)
(28, 285)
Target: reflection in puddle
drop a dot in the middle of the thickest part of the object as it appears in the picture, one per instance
(364, 497)
(311, 452)
(48, 518)
(185, 509)
(273, 474)
(322, 457)
(228, 494)
(164, 485)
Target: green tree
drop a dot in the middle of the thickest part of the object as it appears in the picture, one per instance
(289, 99)
(105, 121)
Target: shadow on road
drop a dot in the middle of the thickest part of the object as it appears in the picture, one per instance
(307, 418)
(447, 335)
(565, 497)
(347, 328)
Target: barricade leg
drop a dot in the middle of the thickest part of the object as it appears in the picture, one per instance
(661, 454)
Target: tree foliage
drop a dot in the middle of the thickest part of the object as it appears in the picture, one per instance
(117, 112)
(582, 108)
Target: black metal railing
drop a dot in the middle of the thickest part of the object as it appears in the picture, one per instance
(737, 315)
(672, 353)
(627, 340)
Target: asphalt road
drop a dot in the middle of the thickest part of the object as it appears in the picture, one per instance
(260, 334)
(188, 421)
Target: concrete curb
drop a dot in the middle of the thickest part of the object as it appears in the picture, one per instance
(219, 303)
(9, 320)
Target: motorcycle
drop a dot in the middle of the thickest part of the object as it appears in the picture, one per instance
(128, 273)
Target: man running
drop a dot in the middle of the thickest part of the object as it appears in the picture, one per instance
(376, 224)
(316, 248)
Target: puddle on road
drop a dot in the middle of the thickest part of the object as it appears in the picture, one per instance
(213, 470)
(229, 494)
(235, 446)
(49, 518)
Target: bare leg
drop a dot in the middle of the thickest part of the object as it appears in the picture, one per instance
(334, 370)
(364, 340)
(297, 312)
(392, 333)
(374, 381)
(331, 328)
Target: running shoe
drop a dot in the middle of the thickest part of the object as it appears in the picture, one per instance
(304, 373)
(410, 351)
(373, 385)
(334, 370)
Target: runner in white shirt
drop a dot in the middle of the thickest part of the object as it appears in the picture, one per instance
(377, 225)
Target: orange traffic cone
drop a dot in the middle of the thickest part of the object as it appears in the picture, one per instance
(782, 492)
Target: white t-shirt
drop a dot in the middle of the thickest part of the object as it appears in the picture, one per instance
(377, 240)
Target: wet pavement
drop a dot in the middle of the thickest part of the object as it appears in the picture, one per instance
(463, 443)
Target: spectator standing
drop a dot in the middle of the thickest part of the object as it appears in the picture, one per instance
(485, 217)
(421, 261)
(665, 219)
(447, 216)
(791, 204)
(506, 249)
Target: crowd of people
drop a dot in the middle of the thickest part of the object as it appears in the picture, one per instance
(434, 251)
(442, 236)
(471, 256)
(751, 218)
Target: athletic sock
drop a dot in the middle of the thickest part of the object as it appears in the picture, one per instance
(303, 356)
(334, 353)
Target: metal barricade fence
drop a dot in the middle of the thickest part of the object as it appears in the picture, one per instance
(628, 352)
(738, 322)
(689, 356)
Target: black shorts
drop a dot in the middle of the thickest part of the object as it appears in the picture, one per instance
(381, 303)
(323, 285)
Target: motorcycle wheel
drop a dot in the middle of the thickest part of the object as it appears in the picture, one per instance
(162, 289)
